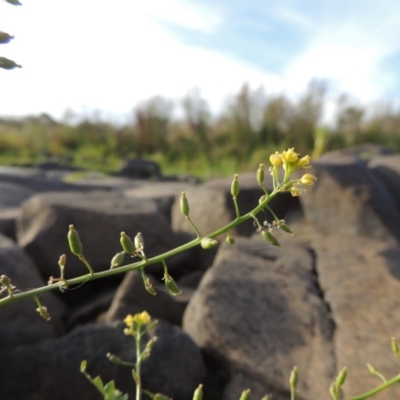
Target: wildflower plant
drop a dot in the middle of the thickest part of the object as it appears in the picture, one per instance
(282, 167)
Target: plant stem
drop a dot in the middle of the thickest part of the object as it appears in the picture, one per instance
(376, 390)
(140, 264)
(138, 336)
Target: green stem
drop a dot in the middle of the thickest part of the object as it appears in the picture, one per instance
(86, 262)
(138, 336)
(140, 264)
(236, 207)
(376, 390)
(193, 226)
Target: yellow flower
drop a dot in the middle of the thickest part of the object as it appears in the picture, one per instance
(276, 159)
(129, 320)
(142, 318)
(290, 156)
(295, 192)
(308, 179)
(304, 162)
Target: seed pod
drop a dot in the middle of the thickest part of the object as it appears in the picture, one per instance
(395, 346)
(208, 243)
(198, 393)
(267, 397)
(294, 378)
(171, 285)
(260, 174)
(6, 63)
(114, 359)
(74, 241)
(270, 238)
(184, 205)
(341, 378)
(149, 287)
(5, 37)
(127, 244)
(285, 228)
(229, 239)
(62, 261)
(117, 260)
(235, 186)
(139, 242)
(83, 365)
(245, 395)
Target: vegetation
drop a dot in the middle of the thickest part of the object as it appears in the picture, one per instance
(251, 127)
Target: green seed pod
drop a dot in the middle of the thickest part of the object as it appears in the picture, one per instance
(229, 239)
(294, 378)
(208, 243)
(270, 238)
(139, 242)
(5, 63)
(5, 37)
(171, 285)
(127, 244)
(159, 396)
(117, 260)
(285, 228)
(245, 395)
(184, 205)
(149, 287)
(341, 378)
(260, 174)
(74, 241)
(235, 186)
(198, 393)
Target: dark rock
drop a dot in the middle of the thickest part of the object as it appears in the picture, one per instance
(20, 324)
(139, 168)
(8, 217)
(259, 310)
(12, 195)
(349, 199)
(99, 217)
(51, 371)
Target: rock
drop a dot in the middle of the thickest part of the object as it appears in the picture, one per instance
(138, 168)
(99, 217)
(360, 279)
(259, 310)
(387, 168)
(8, 217)
(349, 199)
(12, 195)
(132, 298)
(20, 324)
(51, 370)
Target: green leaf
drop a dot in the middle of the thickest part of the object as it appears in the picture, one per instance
(98, 382)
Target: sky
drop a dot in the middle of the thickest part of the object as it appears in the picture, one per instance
(106, 57)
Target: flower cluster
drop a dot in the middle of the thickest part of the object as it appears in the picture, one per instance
(136, 322)
(290, 161)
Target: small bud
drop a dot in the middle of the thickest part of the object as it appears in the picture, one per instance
(275, 159)
(260, 174)
(333, 390)
(74, 241)
(229, 239)
(208, 243)
(150, 344)
(290, 156)
(245, 395)
(5, 37)
(235, 186)
(294, 378)
(83, 365)
(395, 346)
(159, 396)
(114, 359)
(198, 393)
(139, 242)
(371, 369)
(262, 198)
(184, 205)
(5, 63)
(304, 162)
(341, 378)
(270, 238)
(127, 244)
(267, 397)
(62, 261)
(117, 260)
(308, 179)
(295, 192)
(5, 280)
(171, 285)
(43, 313)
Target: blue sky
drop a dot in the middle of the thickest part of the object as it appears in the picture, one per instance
(109, 56)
